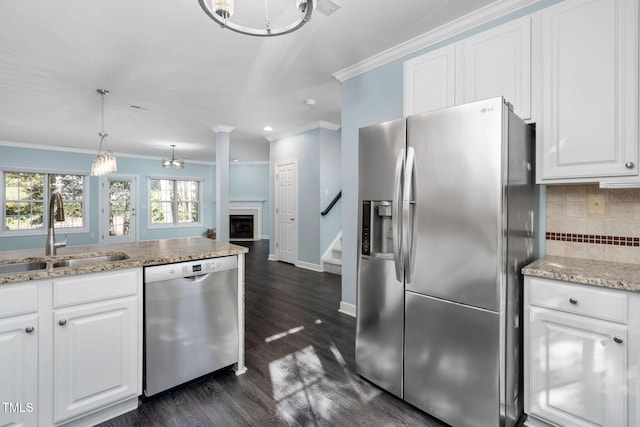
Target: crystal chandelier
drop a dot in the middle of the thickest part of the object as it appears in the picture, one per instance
(105, 163)
(222, 10)
(173, 163)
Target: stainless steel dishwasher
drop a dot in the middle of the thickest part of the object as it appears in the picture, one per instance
(191, 321)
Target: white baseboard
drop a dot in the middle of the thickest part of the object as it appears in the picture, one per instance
(347, 308)
(272, 257)
(310, 266)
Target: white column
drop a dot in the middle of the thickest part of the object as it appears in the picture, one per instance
(222, 181)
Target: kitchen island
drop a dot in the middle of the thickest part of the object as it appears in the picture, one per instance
(581, 342)
(71, 327)
(139, 254)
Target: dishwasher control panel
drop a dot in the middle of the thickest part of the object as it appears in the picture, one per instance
(189, 268)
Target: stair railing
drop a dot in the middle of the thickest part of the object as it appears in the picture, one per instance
(333, 202)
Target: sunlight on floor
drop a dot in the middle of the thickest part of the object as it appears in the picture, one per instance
(283, 334)
(305, 393)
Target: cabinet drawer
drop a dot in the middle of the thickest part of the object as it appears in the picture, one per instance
(95, 287)
(18, 299)
(580, 299)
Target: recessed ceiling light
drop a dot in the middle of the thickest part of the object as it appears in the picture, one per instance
(310, 101)
(268, 128)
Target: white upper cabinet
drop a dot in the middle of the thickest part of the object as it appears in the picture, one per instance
(497, 63)
(588, 129)
(492, 63)
(429, 81)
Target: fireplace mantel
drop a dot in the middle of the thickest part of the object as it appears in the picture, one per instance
(249, 207)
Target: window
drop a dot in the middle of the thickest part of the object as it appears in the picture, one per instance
(174, 201)
(26, 198)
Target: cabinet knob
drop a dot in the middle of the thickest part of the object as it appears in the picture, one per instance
(62, 322)
(629, 165)
(29, 329)
(573, 300)
(618, 340)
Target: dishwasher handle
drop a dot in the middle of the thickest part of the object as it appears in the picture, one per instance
(197, 278)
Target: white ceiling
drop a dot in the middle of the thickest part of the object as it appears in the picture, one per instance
(186, 72)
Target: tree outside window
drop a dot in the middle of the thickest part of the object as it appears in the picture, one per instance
(26, 197)
(174, 201)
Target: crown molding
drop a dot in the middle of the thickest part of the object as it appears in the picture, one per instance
(320, 124)
(249, 162)
(91, 152)
(481, 16)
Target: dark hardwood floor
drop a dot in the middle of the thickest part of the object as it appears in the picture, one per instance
(300, 360)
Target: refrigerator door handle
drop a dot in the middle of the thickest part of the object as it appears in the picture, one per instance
(396, 220)
(408, 219)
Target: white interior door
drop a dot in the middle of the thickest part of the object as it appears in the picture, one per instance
(118, 209)
(286, 224)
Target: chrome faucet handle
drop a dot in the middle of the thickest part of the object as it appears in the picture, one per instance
(63, 243)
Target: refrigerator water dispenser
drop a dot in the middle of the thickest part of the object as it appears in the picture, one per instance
(377, 232)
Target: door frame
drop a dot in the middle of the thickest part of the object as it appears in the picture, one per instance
(276, 199)
(103, 207)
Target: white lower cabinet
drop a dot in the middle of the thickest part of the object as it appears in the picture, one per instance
(97, 345)
(95, 356)
(70, 349)
(578, 369)
(579, 363)
(19, 370)
(19, 332)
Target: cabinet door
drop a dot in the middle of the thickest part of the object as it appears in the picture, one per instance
(577, 369)
(19, 371)
(589, 124)
(497, 63)
(95, 355)
(429, 81)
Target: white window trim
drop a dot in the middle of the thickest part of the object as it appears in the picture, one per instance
(43, 231)
(173, 225)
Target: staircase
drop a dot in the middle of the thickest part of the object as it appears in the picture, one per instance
(332, 259)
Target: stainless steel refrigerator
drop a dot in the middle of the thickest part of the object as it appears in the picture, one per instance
(447, 209)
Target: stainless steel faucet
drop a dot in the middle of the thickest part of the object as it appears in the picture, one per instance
(55, 202)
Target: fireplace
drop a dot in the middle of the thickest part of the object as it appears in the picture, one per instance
(241, 227)
(245, 220)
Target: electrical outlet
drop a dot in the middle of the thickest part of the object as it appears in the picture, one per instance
(595, 203)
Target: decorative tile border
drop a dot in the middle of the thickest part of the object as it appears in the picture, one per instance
(590, 238)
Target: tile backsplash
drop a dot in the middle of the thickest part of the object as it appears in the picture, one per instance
(585, 221)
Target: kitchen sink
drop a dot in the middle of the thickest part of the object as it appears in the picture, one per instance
(42, 264)
(22, 267)
(91, 260)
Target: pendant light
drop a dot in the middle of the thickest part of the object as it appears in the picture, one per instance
(105, 163)
(173, 163)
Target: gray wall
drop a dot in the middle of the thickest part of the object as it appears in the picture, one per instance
(314, 150)
(330, 185)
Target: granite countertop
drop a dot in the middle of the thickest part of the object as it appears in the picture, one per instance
(140, 254)
(607, 274)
